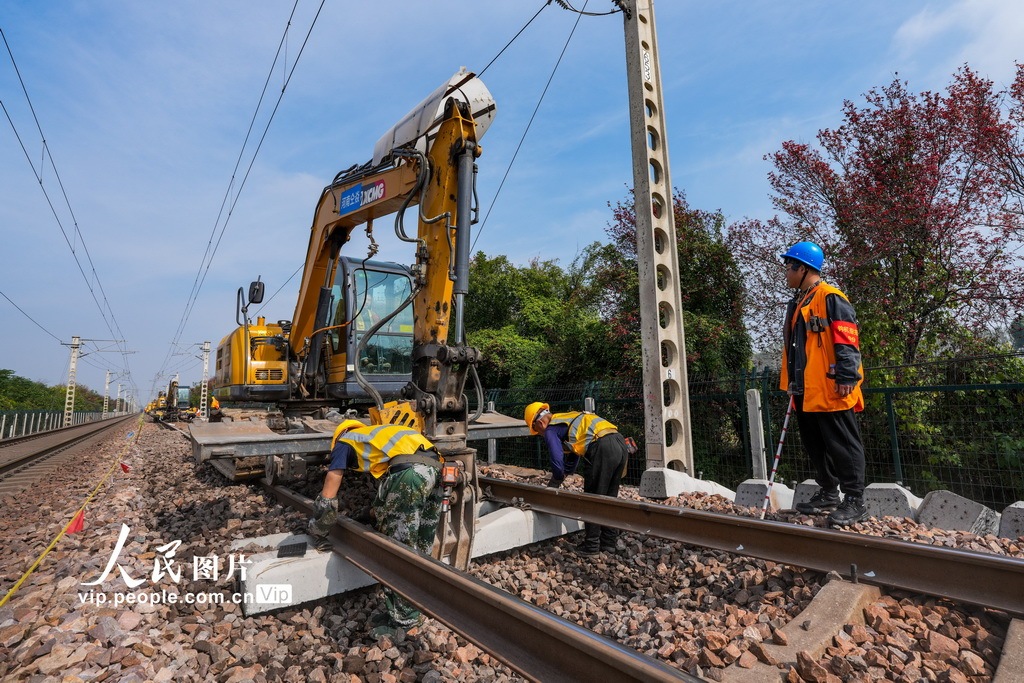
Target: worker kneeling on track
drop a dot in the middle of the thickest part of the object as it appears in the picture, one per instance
(574, 436)
(408, 503)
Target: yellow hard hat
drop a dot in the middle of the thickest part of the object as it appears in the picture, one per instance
(344, 427)
(531, 414)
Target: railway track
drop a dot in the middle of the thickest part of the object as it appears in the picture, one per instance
(696, 594)
(528, 639)
(981, 579)
(24, 460)
(521, 635)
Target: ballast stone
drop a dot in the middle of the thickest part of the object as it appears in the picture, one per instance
(947, 510)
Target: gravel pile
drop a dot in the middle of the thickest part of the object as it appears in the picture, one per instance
(48, 633)
(696, 609)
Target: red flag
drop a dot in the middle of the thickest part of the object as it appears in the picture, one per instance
(126, 468)
(77, 522)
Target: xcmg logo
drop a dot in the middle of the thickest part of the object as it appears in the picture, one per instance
(359, 196)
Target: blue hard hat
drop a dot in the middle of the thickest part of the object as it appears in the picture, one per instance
(807, 253)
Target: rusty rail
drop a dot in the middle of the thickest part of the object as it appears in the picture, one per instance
(533, 642)
(993, 581)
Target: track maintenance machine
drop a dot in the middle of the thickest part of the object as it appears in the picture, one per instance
(365, 331)
(172, 405)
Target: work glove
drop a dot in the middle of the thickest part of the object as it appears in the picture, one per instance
(322, 543)
(325, 514)
(555, 482)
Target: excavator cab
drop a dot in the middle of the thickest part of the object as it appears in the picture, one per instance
(370, 327)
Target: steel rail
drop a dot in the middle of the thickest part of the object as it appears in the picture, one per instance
(993, 581)
(533, 642)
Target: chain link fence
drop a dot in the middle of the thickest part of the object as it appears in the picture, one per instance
(956, 425)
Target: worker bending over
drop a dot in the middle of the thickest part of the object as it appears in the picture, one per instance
(408, 503)
(570, 437)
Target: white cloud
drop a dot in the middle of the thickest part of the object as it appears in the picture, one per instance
(986, 34)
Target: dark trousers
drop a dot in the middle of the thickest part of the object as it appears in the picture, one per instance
(832, 441)
(606, 457)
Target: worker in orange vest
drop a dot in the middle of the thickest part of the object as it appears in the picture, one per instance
(822, 371)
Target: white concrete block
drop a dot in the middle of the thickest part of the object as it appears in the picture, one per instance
(301, 579)
(891, 500)
(805, 490)
(1011, 522)
(513, 528)
(662, 482)
(751, 493)
(947, 510)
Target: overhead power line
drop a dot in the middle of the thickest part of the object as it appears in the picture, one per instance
(208, 257)
(31, 318)
(522, 139)
(105, 307)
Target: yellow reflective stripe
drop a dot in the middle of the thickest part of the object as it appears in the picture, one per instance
(589, 428)
(393, 440)
(375, 446)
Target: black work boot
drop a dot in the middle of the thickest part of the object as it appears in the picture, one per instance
(821, 501)
(591, 543)
(850, 510)
(608, 538)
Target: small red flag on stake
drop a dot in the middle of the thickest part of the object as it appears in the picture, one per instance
(126, 468)
(77, 522)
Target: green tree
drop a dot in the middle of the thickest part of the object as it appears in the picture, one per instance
(536, 324)
(18, 393)
(717, 343)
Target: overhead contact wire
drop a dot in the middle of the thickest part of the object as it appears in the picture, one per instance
(547, 85)
(238, 162)
(78, 232)
(252, 161)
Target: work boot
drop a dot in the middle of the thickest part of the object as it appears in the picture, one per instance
(821, 501)
(850, 510)
(379, 618)
(586, 549)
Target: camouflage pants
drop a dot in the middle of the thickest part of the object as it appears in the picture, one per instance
(408, 509)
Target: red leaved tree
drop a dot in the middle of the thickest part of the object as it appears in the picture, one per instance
(909, 200)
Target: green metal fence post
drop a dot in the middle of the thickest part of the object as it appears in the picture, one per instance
(766, 406)
(894, 441)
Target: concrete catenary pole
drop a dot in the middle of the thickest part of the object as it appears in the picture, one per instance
(666, 395)
(69, 396)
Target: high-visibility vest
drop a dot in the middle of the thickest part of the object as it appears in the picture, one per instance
(819, 391)
(376, 445)
(584, 429)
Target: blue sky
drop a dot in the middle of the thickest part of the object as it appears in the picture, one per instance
(145, 106)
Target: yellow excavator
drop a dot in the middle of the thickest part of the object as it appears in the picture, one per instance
(366, 331)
